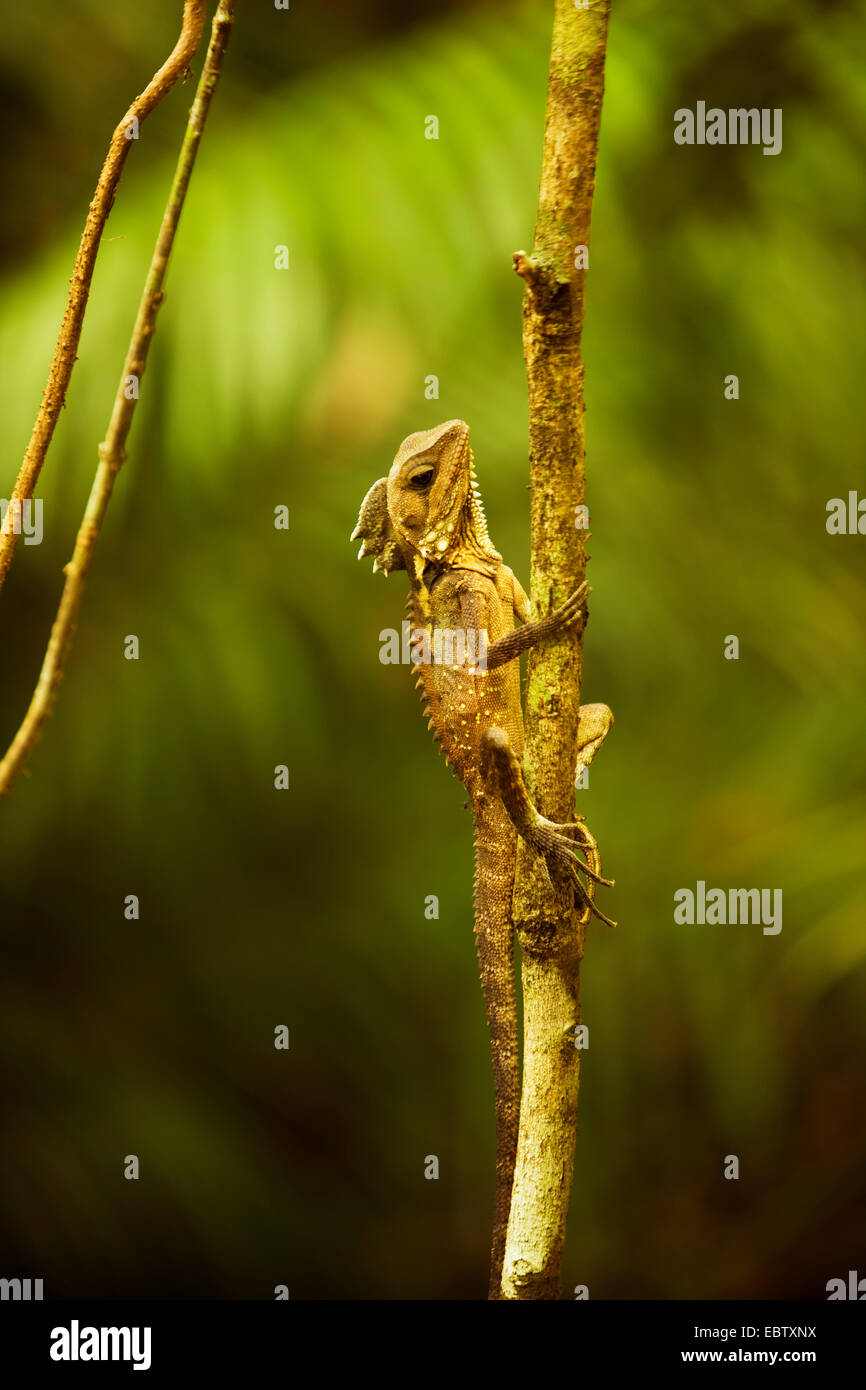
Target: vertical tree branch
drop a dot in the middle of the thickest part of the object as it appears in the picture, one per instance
(112, 451)
(66, 347)
(550, 932)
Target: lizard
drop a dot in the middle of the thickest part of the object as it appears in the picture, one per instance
(427, 518)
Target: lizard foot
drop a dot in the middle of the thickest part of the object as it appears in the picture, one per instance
(570, 612)
(555, 844)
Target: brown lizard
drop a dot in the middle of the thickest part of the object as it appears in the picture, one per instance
(426, 517)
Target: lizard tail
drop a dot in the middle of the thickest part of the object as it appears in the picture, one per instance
(495, 854)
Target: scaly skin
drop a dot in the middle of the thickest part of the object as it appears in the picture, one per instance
(426, 517)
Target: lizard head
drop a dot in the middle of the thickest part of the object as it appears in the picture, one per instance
(428, 508)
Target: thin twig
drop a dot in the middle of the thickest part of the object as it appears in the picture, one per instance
(66, 347)
(550, 932)
(112, 451)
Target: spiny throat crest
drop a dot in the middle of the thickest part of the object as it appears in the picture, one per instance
(449, 539)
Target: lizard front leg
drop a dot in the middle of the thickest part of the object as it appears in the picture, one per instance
(536, 630)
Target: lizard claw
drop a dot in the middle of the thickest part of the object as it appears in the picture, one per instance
(582, 834)
(573, 609)
(588, 903)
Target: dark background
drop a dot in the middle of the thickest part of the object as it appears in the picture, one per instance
(258, 647)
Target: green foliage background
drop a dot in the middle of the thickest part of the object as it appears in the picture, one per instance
(259, 647)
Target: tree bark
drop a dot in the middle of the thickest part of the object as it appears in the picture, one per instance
(549, 929)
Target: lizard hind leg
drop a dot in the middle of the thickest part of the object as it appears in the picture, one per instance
(503, 777)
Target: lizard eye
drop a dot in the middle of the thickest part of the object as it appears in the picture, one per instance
(422, 479)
